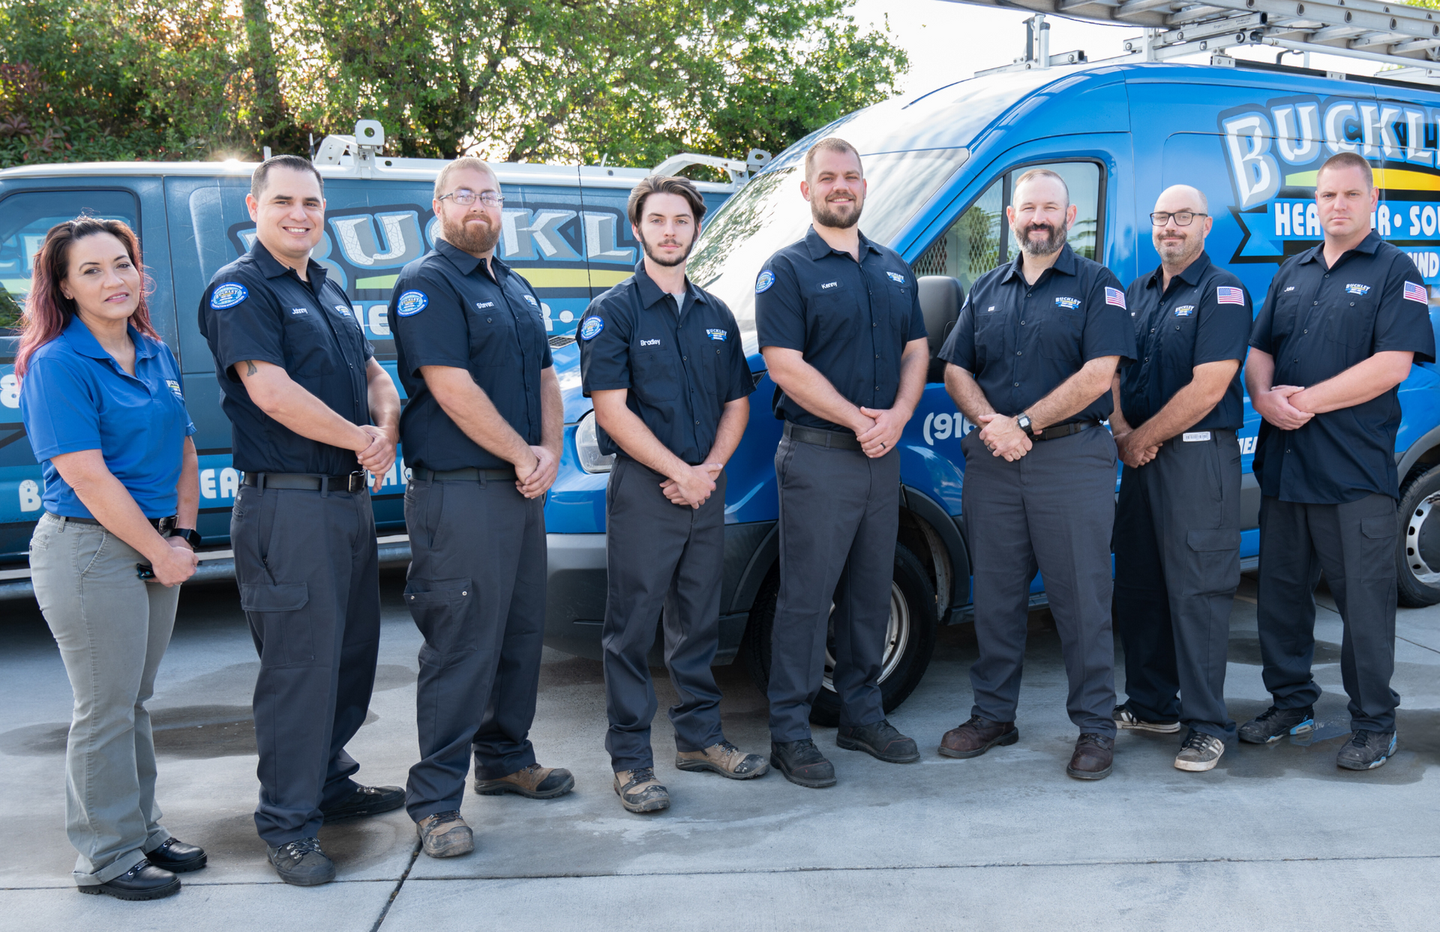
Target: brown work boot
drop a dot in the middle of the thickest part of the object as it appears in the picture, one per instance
(1093, 758)
(977, 736)
(445, 835)
(534, 782)
(639, 791)
(725, 759)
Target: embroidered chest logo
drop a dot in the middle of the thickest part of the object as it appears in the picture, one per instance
(174, 387)
(896, 277)
(344, 311)
(1184, 310)
(717, 335)
(531, 299)
(649, 342)
(1068, 304)
(1359, 289)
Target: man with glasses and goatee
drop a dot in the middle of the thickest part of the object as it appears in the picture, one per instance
(481, 435)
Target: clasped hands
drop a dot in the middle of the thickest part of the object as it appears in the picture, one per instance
(1281, 407)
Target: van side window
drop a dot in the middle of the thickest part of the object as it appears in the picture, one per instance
(980, 238)
(26, 217)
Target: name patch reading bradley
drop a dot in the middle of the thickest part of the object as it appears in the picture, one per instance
(228, 295)
(411, 303)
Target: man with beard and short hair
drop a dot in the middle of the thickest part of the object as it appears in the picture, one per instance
(838, 320)
(1031, 360)
(1177, 521)
(664, 364)
(481, 435)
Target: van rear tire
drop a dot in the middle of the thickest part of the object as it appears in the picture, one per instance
(1417, 552)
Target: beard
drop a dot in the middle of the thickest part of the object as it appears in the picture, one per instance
(661, 260)
(1048, 246)
(828, 216)
(1179, 251)
(476, 239)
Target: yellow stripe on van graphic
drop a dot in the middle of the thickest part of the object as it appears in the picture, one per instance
(383, 282)
(1393, 179)
(542, 277)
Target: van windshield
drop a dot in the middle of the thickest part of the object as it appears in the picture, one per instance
(769, 213)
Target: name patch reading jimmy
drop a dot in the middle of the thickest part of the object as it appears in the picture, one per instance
(763, 283)
(411, 303)
(228, 295)
(1069, 304)
(591, 328)
(1115, 297)
(718, 335)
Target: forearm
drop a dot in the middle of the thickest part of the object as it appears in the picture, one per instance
(1118, 424)
(384, 399)
(552, 412)
(475, 414)
(966, 393)
(110, 503)
(1259, 372)
(804, 385)
(187, 490)
(913, 363)
(731, 428)
(631, 435)
(1184, 408)
(286, 402)
(1363, 381)
(1074, 394)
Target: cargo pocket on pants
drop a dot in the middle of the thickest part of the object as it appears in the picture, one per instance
(1378, 533)
(1217, 559)
(275, 613)
(441, 609)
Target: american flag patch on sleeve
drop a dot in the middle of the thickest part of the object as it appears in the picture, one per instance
(1414, 292)
(1115, 297)
(1227, 295)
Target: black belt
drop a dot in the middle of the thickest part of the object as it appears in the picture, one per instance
(834, 439)
(1065, 430)
(163, 525)
(305, 482)
(468, 474)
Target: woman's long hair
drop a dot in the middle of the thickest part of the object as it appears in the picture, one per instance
(47, 311)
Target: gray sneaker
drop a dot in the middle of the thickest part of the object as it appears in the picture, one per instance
(1127, 720)
(445, 835)
(1199, 753)
(1366, 750)
(302, 863)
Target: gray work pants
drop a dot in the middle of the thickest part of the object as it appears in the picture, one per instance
(1052, 510)
(1177, 566)
(1354, 544)
(308, 569)
(839, 516)
(112, 629)
(661, 559)
(476, 589)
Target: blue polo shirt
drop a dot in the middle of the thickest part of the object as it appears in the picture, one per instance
(681, 364)
(1317, 322)
(76, 397)
(851, 320)
(257, 308)
(1020, 341)
(448, 309)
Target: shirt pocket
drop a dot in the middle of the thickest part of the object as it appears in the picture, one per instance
(1060, 331)
(834, 314)
(1177, 340)
(656, 375)
(1352, 322)
(310, 348)
(1284, 317)
(989, 339)
(493, 339)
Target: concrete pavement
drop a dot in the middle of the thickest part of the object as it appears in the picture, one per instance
(1275, 838)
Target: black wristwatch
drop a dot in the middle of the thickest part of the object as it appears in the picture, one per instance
(1023, 422)
(192, 537)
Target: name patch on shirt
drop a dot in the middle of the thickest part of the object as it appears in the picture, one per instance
(297, 311)
(1115, 298)
(1195, 435)
(1288, 288)
(228, 295)
(411, 303)
(990, 309)
(1229, 295)
(649, 342)
(1069, 304)
(1184, 310)
(717, 335)
(1357, 289)
(896, 277)
(1414, 292)
(482, 305)
(174, 387)
(763, 283)
(591, 328)
(829, 285)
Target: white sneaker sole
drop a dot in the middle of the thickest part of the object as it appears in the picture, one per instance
(1197, 766)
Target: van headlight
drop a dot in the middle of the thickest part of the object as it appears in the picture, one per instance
(587, 446)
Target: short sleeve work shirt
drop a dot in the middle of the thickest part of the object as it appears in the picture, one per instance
(1203, 317)
(257, 308)
(1317, 322)
(75, 397)
(851, 320)
(1020, 340)
(681, 365)
(448, 309)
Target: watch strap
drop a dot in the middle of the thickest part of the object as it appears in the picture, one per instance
(192, 537)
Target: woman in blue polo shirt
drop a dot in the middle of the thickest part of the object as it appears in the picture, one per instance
(104, 409)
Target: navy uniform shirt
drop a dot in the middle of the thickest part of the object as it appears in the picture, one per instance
(448, 309)
(1317, 322)
(257, 308)
(1020, 341)
(850, 320)
(1204, 316)
(681, 365)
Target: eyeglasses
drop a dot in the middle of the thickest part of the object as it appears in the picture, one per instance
(465, 197)
(1183, 218)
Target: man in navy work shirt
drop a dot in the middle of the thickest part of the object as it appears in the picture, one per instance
(839, 323)
(1340, 327)
(1177, 521)
(663, 363)
(481, 434)
(309, 409)
(1031, 360)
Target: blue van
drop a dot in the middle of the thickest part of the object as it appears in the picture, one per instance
(940, 168)
(564, 228)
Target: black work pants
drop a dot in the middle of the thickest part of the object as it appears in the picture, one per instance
(1177, 566)
(1354, 544)
(476, 589)
(308, 570)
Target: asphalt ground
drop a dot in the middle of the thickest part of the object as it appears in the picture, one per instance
(1275, 838)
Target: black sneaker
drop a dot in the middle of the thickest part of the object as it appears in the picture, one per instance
(881, 741)
(366, 800)
(1129, 721)
(1366, 750)
(1273, 724)
(801, 763)
(143, 881)
(302, 863)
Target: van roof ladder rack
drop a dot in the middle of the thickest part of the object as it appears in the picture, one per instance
(1386, 33)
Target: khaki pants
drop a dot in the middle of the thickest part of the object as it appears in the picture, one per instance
(112, 629)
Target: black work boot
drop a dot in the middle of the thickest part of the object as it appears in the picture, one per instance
(881, 741)
(801, 763)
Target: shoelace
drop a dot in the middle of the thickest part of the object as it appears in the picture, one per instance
(643, 775)
(1089, 738)
(449, 815)
(1196, 740)
(298, 849)
(1361, 738)
(729, 748)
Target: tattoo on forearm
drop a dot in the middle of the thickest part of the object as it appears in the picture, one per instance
(250, 367)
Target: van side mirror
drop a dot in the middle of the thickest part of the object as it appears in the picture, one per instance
(941, 298)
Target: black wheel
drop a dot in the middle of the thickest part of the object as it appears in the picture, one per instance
(908, 644)
(1418, 552)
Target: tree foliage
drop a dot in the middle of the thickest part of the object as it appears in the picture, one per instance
(532, 80)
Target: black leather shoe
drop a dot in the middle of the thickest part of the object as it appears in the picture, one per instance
(881, 741)
(366, 800)
(801, 763)
(177, 857)
(144, 881)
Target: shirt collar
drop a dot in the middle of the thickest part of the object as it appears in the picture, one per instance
(650, 292)
(272, 267)
(1064, 264)
(1368, 245)
(464, 261)
(82, 341)
(1191, 275)
(819, 249)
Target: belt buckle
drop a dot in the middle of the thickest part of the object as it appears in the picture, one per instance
(166, 525)
(356, 482)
